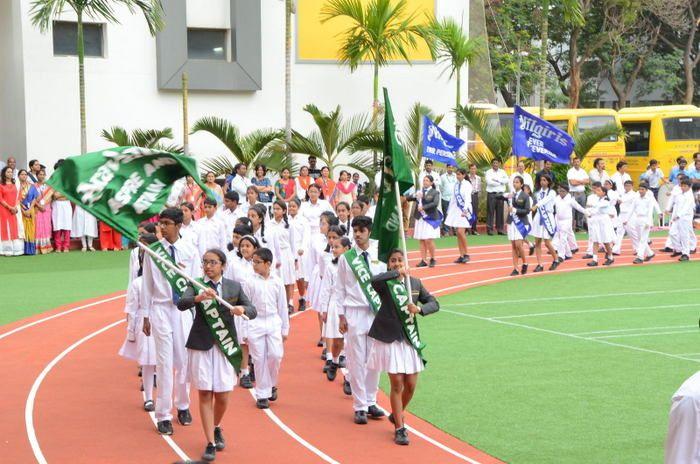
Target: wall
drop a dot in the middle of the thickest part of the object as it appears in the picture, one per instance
(121, 88)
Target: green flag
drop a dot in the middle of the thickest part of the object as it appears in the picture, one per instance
(122, 186)
(396, 170)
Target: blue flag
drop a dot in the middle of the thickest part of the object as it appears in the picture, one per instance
(438, 145)
(540, 140)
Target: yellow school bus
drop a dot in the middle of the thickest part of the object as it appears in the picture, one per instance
(662, 133)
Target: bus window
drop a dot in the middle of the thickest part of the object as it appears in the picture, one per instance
(637, 142)
(562, 124)
(594, 122)
(506, 120)
(682, 128)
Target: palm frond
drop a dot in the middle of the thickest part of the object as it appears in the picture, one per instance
(497, 140)
(117, 135)
(220, 165)
(223, 130)
(304, 145)
(149, 138)
(585, 141)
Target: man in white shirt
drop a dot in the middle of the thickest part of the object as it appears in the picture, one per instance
(169, 327)
(212, 231)
(578, 179)
(238, 182)
(427, 171)
(447, 188)
(496, 183)
(230, 213)
(356, 317)
(598, 173)
(621, 176)
(520, 171)
(654, 177)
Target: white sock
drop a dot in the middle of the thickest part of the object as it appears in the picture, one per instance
(336, 360)
(82, 241)
(245, 371)
(329, 355)
(147, 373)
(595, 257)
(89, 241)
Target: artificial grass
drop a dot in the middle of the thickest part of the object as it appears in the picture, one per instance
(529, 396)
(38, 283)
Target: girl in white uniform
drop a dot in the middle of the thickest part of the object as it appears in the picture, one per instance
(564, 204)
(268, 331)
(280, 241)
(319, 245)
(543, 224)
(328, 334)
(461, 214)
(639, 222)
(301, 234)
(256, 214)
(614, 197)
(239, 267)
(600, 226)
(312, 210)
(518, 224)
(342, 210)
(625, 202)
(189, 230)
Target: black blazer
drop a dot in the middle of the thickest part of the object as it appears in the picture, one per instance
(431, 201)
(201, 337)
(522, 204)
(387, 326)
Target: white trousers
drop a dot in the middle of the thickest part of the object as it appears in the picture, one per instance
(363, 381)
(639, 233)
(620, 231)
(170, 328)
(683, 439)
(680, 232)
(266, 349)
(564, 239)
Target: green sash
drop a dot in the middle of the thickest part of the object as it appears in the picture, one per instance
(226, 339)
(176, 281)
(364, 278)
(399, 293)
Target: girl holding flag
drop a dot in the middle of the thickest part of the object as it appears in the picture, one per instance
(428, 220)
(519, 224)
(544, 226)
(460, 213)
(211, 368)
(395, 346)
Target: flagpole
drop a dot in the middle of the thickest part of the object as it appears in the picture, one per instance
(181, 273)
(403, 239)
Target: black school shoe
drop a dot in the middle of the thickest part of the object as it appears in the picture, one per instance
(465, 259)
(262, 403)
(332, 371)
(667, 250)
(347, 389)
(459, 260)
(554, 265)
(675, 253)
(432, 262)
(219, 440)
(360, 417)
(165, 427)
(587, 256)
(574, 251)
(649, 258)
(148, 406)
(401, 436)
(684, 258)
(184, 417)
(538, 268)
(374, 412)
(514, 272)
(592, 264)
(274, 394)
(523, 269)
(532, 250)
(302, 304)
(323, 354)
(245, 382)
(608, 262)
(422, 264)
(341, 361)
(209, 453)
(327, 366)
(637, 261)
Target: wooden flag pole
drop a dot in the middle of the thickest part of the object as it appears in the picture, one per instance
(403, 238)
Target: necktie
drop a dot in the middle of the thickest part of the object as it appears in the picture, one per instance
(365, 256)
(176, 297)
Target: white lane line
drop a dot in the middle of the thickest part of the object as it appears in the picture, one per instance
(168, 439)
(635, 330)
(577, 337)
(600, 310)
(574, 297)
(688, 354)
(63, 313)
(647, 334)
(29, 405)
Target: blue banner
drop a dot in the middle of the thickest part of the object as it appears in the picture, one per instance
(438, 145)
(540, 140)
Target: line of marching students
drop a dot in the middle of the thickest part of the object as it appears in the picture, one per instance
(612, 213)
(254, 256)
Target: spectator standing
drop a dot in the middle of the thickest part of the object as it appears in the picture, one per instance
(546, 171)
(598, 173)
(620, 176)
(237, 181)
(654, 177)
(679, 169)
(474, 179)
(520, 171)
(314, 172)
(427, 171)
(303, 181)
(578, 179)
(34, 168)
(447, 186)
(266, 193)
(496, 182)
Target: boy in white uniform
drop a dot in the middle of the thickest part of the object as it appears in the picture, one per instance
(230, 212)
(169, 326)
(356, 317)
(269, 330)
(639, 222)
(564, 236)
(211, 230)
(682, 221)
(189, 231)
(626, 202)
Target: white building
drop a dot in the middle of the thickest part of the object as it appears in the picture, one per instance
(133, 79)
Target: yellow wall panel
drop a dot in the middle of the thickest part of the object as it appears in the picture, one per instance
(321, 42)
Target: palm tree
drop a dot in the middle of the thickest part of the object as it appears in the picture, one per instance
(335, 137)
(146, 138)
(262, 146)
(380, 31)
(44, 11)
(289, 10)
(450, 44)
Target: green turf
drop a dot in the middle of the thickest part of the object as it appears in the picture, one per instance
(38, 283)
(523, 390)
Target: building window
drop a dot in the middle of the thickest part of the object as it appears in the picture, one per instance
(65, 38)
(207, 44)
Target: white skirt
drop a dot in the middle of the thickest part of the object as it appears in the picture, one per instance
(601, 230)
(286, 271)
(241, 326)
(142, 349)
(455, 218)
(210, 370)
(538, 230)
(393, 358)
(314, 290)
(424, 231)
(331, 328)
(514, 233)
(84, 224)
(62, 215)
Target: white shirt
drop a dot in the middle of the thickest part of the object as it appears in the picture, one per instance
(653, 177)
(174, 197)
(133, 264)
(270, 301)
(229, 218)
(527, 180)
(496, 181)
(619, 180)
(156, 289)
(312, 212)
(465, 189)
(545, 199)
(421, 176)
(238, 269)
(643, 208)
(190, 233)
(212, 234)
(447, 185)
(626, 204)
(597, 176)
(349, 293)
(675, 192)
(564, 207)
(301, 234)
(684, 206)
(576, 174)
(329, 285)
(240, 185)
(279, 238)
(598, 206)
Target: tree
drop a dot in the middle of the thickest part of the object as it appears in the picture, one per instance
(334, 137)
(146, 138)
(450, 44)
(262, 146)
(44, 11)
